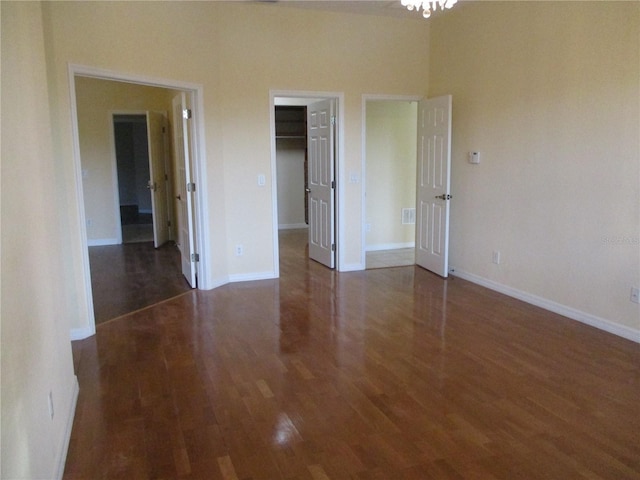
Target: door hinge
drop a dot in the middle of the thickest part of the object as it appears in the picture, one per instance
(164, 130)
(333, 184)
(191, 187)
(168, 223)
(333, 119)
(333, 247)
(186, 113)
(195, 257)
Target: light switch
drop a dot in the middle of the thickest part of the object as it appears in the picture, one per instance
(474, 157)
(261, 180)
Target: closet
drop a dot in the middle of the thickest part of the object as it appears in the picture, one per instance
(291, 165)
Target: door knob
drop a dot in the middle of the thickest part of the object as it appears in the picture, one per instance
(444, 197)
(308, 190)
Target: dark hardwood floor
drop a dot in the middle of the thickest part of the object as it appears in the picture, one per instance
(131, 276)
(383, 374)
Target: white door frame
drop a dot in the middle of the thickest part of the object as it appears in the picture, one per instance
(299, 97)
(199, 172)
(365, 99)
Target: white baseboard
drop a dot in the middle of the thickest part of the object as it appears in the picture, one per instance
(82, 333)
(389, 246)
(292, 226)
(101, 242)
(569, 312)
(213, 283)
(71, 410)
(351, 267)
(250, 277)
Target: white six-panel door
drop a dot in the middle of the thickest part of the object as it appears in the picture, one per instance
(184, 195)
(321, 184)
(433, 184)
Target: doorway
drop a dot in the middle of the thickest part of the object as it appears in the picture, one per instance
(390, 182)
(294, 194)
(292, 181)
(432, 167)
(92, 179)
(132, 162)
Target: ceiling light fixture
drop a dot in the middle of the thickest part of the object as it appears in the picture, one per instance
(428, 6)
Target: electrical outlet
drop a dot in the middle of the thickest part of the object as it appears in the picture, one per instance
(496, 257)
(50, 400)
(635, 294)
(239, 250)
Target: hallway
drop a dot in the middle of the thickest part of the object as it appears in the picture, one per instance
(131, 276)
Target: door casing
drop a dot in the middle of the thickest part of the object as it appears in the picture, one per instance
(195, 91)
(297, 97)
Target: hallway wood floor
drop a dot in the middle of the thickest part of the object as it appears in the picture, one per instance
(383, 374)
(131, 276)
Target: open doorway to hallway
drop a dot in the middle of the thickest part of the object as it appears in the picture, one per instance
(127, 183)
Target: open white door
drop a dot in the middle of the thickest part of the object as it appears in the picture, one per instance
(433, 183)
(156, 130)
(321, 181)
(184, 188)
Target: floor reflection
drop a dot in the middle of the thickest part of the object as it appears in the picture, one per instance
(387, 373)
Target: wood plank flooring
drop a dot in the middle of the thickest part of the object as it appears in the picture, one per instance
(400, 257)
(383, 374)
(127, 277)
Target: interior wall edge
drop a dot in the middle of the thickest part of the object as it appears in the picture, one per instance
(62, 454)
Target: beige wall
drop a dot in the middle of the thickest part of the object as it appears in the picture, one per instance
(96, 101)
(391, 128)
(549, 94)
(37, 299)
(524, 83)
(238, 52)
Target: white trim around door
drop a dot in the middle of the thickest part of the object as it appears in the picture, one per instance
(297, 97)
(199, 172)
